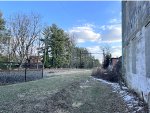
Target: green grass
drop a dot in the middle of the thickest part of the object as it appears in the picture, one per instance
(10, 92)
(72, 93)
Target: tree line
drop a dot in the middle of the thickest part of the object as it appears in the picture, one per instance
(25, 36)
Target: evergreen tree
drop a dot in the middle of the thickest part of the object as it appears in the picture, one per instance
(2, 22)
(58, 47)
(83, 59)
(5, 36)
(47, 36)
(60, 51)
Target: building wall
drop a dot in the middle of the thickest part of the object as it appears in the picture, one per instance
(136, 46)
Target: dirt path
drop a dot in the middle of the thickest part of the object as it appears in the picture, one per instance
(85, 97)
(67, 93)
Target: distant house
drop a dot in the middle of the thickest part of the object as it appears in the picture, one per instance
(35, 59)
(34, 62)
(136, 46)
(113, 62)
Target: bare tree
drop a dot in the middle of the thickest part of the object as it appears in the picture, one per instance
(25, 29)
(73, 39)
(106, 50)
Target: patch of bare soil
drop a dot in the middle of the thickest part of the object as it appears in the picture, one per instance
(61, 102)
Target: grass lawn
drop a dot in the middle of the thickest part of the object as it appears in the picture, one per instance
(62, 93)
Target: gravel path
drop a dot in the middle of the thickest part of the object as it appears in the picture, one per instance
(67, 93)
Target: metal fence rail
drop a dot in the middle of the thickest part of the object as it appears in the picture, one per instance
(12, 72)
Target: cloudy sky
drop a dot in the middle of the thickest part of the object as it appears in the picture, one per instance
(94, 24)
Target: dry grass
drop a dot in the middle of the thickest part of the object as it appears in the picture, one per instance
(105, 74)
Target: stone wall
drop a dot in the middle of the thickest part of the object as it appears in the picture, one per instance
(136, 46)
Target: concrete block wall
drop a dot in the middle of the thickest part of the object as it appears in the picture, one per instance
(136, 46)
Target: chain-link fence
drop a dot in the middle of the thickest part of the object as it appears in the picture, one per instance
(13, 72)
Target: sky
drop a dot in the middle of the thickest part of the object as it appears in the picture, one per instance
(94, 24)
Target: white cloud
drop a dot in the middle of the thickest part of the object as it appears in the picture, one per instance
(114, 21)
(85, 33)
(102, 27)
(111, 33)
(96, 49)
(80, 40)
(116, 51)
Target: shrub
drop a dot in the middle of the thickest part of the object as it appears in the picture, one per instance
(113, 76)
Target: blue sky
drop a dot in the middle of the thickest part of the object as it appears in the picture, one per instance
(93, 23)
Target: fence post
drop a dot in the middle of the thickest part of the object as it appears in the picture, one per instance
(42, 70)
(25, 72)
(80, 60)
